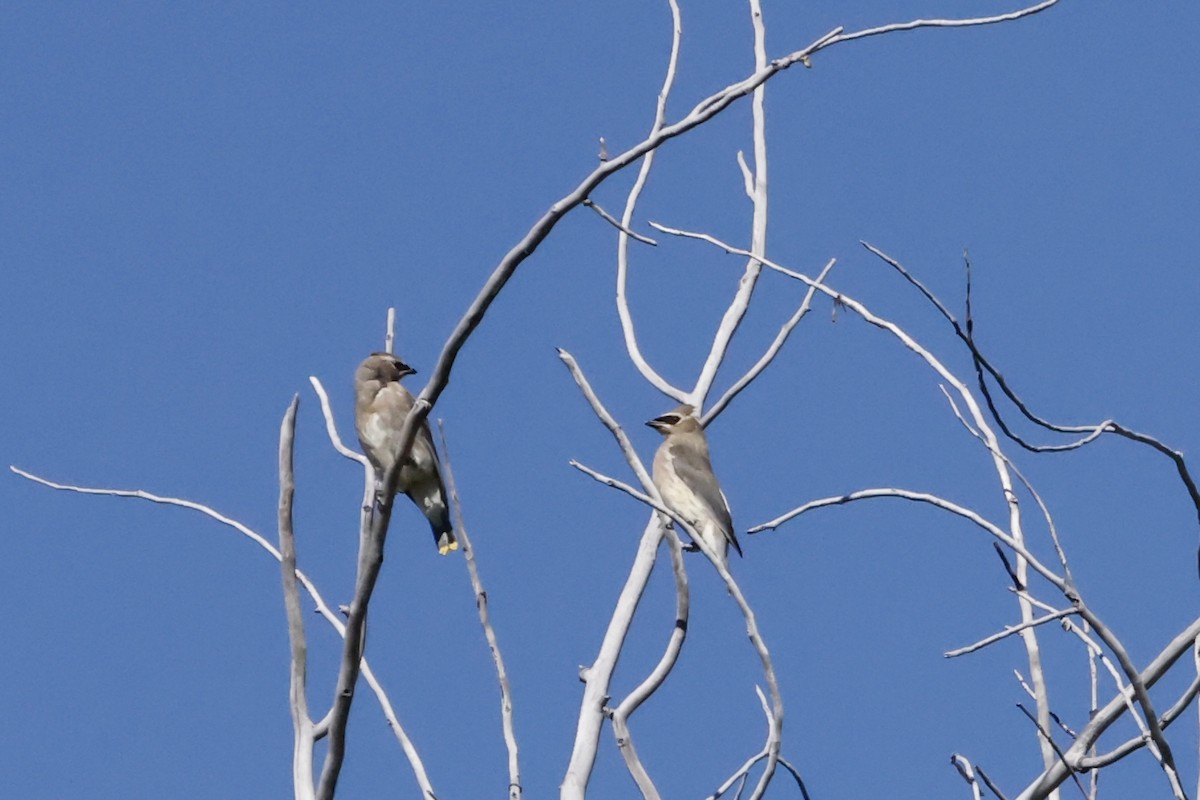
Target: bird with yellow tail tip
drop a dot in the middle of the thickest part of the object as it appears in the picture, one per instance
(381, 404)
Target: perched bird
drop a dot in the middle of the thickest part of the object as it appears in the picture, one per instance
(684, 477)
(381, 405)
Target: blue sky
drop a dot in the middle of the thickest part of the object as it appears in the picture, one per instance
(203, 207)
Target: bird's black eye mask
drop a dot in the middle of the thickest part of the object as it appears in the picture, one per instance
(669, 419)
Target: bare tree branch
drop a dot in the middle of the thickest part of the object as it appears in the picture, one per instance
(930, 499)
(372, 539)
(331, 425)
(742, 774)
(1056, 773)
(626, 708)
(598, 677)
(1028, 635)
(946, 23)
(580, 768)
(485, 620)
(616, 223)
(1048, 739)
(1009, 631)
(660, 117)
(1051, 528)
(322, 607)
(983, 365)
(703, 111)
(600, 477)
(780, 338)
(740, 304)
(968, 774)
(302, 727)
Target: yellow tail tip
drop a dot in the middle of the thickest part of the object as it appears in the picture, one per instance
(446, 549)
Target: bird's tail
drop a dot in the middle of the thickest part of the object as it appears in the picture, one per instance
(443, 531)
(733, 541)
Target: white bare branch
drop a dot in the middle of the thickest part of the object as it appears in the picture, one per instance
(740, 304)
(968, 774)
(616, 223)
(322, 607)
(1028, 635)
(660, 117)
(631, 703)
(767, 357)
(598, 677)
(331, 425)
(302, 725)
(485, 620)
(1009, 631)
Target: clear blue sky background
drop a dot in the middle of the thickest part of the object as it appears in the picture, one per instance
(203, 206)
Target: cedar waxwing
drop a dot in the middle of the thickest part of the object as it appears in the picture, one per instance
(684, 477)
(381, 405)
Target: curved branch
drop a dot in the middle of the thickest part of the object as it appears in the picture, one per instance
(331, 425)
(322, 607)
(622, 713)
(930, 499)
(742, 773)
(705, 110)
(660, 117)
(983, 365)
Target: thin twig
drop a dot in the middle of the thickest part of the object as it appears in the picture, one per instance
(742, 774)
(1051, 528)
(616, 223)
(489, 631)
(919, 497)
(946, 23)
(331, 425)
(780, 338)
(1046, 737)
(607, 480)
(983, 365)
(1009, 631)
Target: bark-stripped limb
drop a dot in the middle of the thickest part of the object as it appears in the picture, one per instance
(984, 368)
(302, 725)
(583, 756)
(485, 621)
(329, 614)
